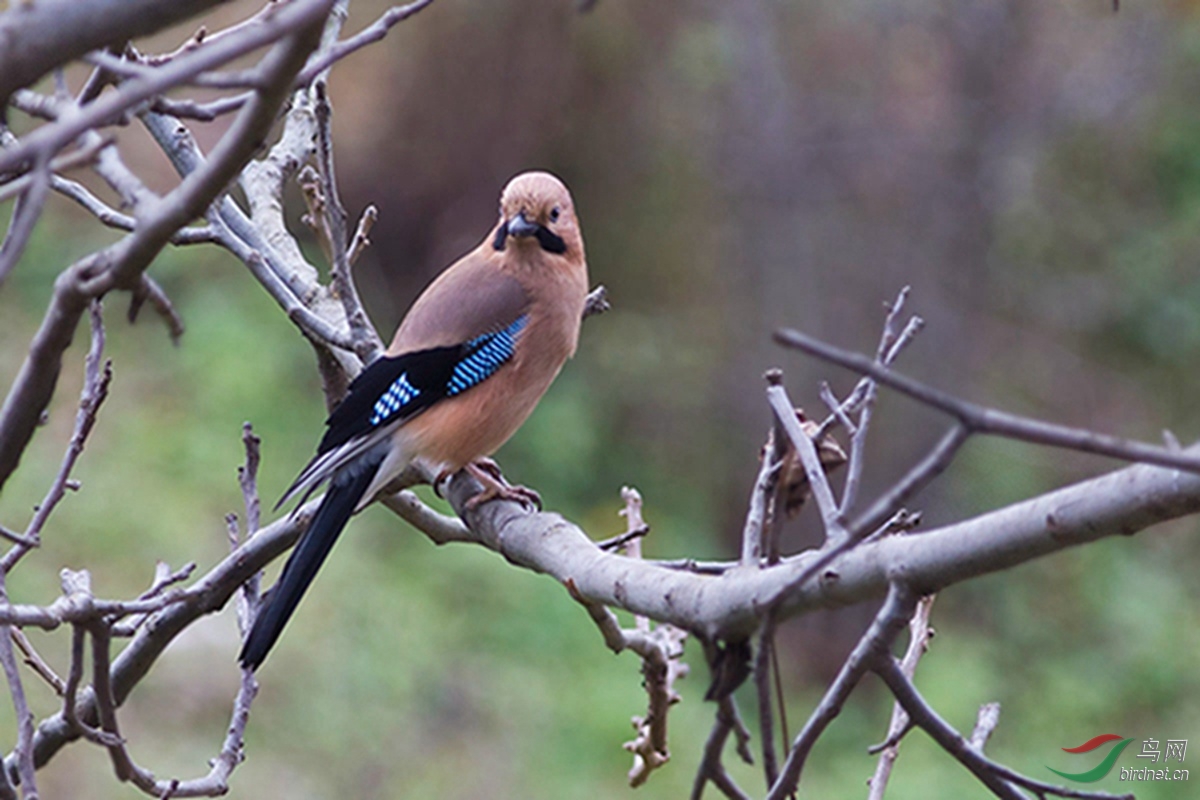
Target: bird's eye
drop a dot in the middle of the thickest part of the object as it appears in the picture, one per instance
(554, 212)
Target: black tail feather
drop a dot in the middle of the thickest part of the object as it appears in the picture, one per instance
(315, 544)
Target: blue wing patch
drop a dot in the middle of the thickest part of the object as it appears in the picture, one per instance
(483, 355)
(400, 387)
(398, 396)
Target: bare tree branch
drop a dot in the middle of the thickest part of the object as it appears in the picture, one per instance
(757, 515)
(711, 769)
(764, 665)
(208, 595)
(49, 139)
(814, 470)
(372, 33)
(660, 647)
(366, 341)
(1003, 781)
(23, 750)
(362, 234)
(723, 604)
(919, 635)
(878, 639)
(979, 419)
(35, 662)
(34, 188)
(726, 602)
(41, 36)
(890, 345)
(76, 158)
(985, 723)
(120, 265)
(95, 390)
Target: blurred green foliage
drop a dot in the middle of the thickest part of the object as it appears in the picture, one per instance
(1033, 170)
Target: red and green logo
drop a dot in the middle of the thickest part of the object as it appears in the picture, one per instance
(1101, 769)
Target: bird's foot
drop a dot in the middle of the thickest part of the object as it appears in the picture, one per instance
(490, 466)
(487, 472)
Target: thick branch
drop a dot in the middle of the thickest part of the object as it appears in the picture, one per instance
(53, 137)
(36, 37)
(34, 385)
(729, 604)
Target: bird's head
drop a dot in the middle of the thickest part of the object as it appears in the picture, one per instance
(536, 211)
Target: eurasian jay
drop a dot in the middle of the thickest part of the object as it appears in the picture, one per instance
(468, 364)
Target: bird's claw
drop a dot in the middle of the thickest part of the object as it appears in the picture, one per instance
(487, 472)
(489, 465)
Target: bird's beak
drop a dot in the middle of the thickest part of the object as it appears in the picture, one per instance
(520, 226)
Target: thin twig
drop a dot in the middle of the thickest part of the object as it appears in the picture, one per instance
(711, 769)
(34, 661)
(26, 212)
(888, 623)
(835, 530)
(619, 541)
(77, 158)
(202, 112)
(985, 724)
(248, 599)
(372, 33)
(308, 322)
(366, 341)
(17, 538)
(885, 512)
(95, 390)
(71, 691)
(634, 521)
(440, 528)
(888, 350)
(362, 234)
(980, 419)
(105, 702)
(660, 649)
(910, 484)
(763, 662)
(1001, 780)
(786, 494)
(838, 411)
(918, 643)
(23, 750)
(890, 344)
(248, 478)
(148, 290)
(164, 578)
(770, 465)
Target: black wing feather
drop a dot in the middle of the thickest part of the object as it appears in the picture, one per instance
(397, 388)
(428, 371)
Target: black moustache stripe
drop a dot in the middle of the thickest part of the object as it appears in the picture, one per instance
(550, 242)
(501, 236)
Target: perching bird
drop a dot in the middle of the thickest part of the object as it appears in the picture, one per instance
(468, 364)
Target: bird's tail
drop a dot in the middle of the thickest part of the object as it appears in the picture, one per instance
(334, 512)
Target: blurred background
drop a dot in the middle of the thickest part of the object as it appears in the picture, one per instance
(1032, 170)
